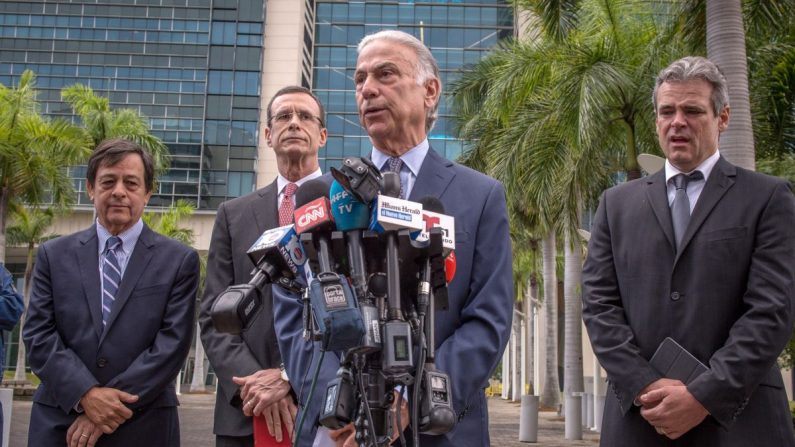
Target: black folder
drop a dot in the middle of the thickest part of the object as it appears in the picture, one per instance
(675, 362)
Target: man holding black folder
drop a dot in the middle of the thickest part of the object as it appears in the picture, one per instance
(693, 264)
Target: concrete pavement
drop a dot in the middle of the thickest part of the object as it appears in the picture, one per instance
(196, 416)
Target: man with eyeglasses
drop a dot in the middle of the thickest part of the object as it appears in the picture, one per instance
(250, 377)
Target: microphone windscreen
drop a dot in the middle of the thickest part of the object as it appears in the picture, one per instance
(349, 213)
(432, 204)
(449, 267)
(390, 184)
(311, 190)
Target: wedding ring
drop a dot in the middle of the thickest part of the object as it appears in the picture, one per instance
(84, 435)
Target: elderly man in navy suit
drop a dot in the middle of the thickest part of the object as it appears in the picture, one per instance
(397, 94)
(110, 318)
(702, 252)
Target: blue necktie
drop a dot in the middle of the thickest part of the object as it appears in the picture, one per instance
(111, 276)
(395, 164)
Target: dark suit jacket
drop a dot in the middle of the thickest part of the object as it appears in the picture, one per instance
(146, 339)
(727, 297)
(238, 224)
(471, 334)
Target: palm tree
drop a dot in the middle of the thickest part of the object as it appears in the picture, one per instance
(101, 122)
(724, 29)
(29, 228)
(726, 48)
(554, 118)
(167, 222)
(573, 383)
(34, 152)
(550, 395)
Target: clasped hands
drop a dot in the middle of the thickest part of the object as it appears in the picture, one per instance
(104, 410)
(264, 393)
(669, 407)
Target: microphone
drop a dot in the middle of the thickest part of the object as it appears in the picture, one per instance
(436, 415)
(313, 218)
(279, 259)
(449, 267)
(352, 217)
(433, 216)
(334, 304)
(391, 215)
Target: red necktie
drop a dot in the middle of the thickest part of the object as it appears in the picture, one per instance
(286, 208)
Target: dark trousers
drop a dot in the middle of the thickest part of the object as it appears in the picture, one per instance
(151, 427)
(234, 441)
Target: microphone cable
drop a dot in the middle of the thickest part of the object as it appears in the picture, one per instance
(309, 397)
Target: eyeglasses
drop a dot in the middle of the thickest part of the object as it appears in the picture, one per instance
(304, 117)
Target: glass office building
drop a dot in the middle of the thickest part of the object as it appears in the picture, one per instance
(194, 68)
(458, 32)
(191, 66)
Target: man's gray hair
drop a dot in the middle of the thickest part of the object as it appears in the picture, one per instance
(426, 69)
(692, 68)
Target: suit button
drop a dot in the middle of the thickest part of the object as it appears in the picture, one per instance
(102, 362)
(675, 296)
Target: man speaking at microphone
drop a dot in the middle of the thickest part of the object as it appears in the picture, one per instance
(250, 378)
(397, 95)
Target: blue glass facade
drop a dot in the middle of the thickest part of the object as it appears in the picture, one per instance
(458, 32)
(191, 66)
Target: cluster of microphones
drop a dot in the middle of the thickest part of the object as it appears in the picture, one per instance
(371, 269)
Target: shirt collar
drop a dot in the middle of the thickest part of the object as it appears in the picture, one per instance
(128, 237)
(705, 167)
(281, 182)
(412, 159)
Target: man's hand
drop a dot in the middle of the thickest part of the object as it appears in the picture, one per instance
(344, 437)
(261, 390)
(282, 412)
(672, 410)
(106, 408)
(82, 433)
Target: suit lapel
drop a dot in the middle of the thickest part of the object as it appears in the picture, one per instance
(721, 179)
(139, 259)
(657, 193)
(266, 210)
(434, 177)
(88, 263)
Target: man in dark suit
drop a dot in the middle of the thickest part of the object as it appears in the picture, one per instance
(250, 380)
(719, 282)
(397, 94)
(110, 317)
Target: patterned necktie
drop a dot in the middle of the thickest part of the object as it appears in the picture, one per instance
(395, 164)
(286, 208)
(680, 208)
(111, 276)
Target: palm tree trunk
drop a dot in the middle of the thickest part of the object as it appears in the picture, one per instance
(573, 385)
(197, 381)
(550, 397)
(516, 386)
(19, 372)
(506, 372)
(531, 295)
(631, 163)
(726, 48)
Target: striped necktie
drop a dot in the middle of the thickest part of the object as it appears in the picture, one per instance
(111, 276)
